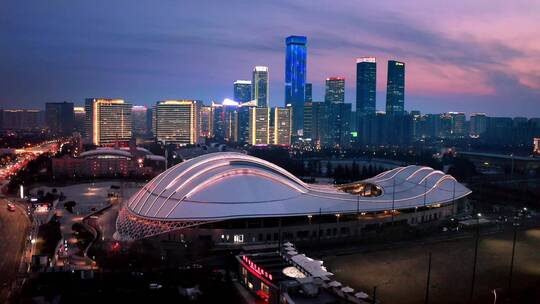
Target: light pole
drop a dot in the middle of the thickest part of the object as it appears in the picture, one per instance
(393, 199)
(475, 256)
(512, 261)
(426, 299)
(495, 295)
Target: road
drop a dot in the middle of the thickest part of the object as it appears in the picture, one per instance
(13, 229)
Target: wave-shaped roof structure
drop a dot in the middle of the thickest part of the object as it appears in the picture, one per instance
(228, 185)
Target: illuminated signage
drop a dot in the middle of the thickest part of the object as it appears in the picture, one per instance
(256, 268)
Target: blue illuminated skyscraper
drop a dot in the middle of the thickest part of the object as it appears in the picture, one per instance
(295, 79)
(395, 88)
(366, 85)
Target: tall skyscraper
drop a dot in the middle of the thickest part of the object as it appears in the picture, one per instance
(395, 88)
(315, 122)
(260, 89)
(177, 121)
(309, 92)
(22, 119)
(458, 124)
(108, 121)
(366, 85)
(242, 90)
(59, 117)
(295, 79)
(334, 90)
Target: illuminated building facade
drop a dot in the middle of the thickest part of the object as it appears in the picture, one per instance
(259, 126)
(108, 121)
(79, 115)
(207, 122)
(260, 88)
(177, 121)
(334, 90)
(395, 88)
(295, 79)
(242, 90)
(231, 198)
(280, 126)
(536, 145)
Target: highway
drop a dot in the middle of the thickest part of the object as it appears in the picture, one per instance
(13, 229)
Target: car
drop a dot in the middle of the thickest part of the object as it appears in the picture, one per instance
(154, 286)
(11, 207)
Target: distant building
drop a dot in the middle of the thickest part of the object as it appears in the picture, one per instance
(109, 162)
(536, 145)
(334, 90)
(108, 121)
(177, 121)
(259, 126)
(458, 126)
(366, 85)
(384, 129)
(22, 119)
(139, 117)
(315, 122)
(478, 124)
(242, 90)
(260, 88)
(280, 125)
(207, 122)
(59, 117)
(309, 92)
(295, 79)
(395, 88)
(338, 129)
(79, 115)
(225, 120)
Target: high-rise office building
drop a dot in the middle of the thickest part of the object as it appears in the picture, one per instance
(59, 117)
(366, 85)
(177, 121)
(79, 119)
(309, 92)
(225, 122)
(108, 121)
(478, 124)
(458, 126)
(22, 119)
(536, 145)
(280, 126)
(138, 118)
(259, 126)
(315, 122)
(334, 90)
(338, 128)
(260, 88)
(242, 90)
(207, 122)
(395, 88)
(295, 79)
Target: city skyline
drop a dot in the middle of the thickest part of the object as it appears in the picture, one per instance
(452, 66)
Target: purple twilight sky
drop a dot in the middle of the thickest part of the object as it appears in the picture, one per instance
(472, 56)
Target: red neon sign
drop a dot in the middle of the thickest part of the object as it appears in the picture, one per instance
(256, 268)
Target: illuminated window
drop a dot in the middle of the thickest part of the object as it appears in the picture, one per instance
(238, 238)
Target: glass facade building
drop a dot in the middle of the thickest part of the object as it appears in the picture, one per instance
(395, 88)
(309, 92)
(334, 90)
(295, 79)
(260, 90)
(366, 85)
(242, 90)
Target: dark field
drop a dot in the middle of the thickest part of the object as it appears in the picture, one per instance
(400, 274)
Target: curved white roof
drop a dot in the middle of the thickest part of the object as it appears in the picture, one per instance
(105, 152)
(229, 185)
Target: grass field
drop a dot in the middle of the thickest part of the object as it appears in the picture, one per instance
(400, 274)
